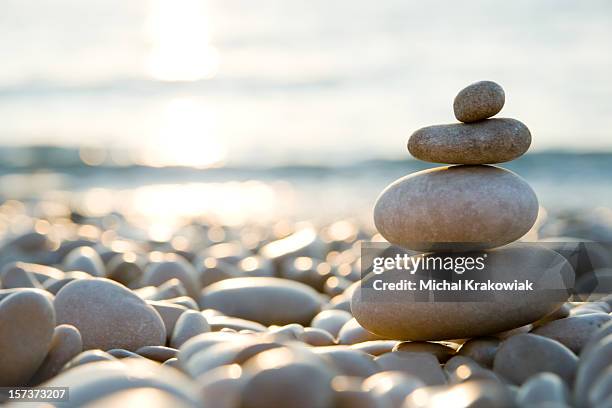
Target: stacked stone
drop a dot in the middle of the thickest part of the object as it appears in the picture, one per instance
(470, 205)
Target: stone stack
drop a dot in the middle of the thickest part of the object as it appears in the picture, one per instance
(470, 205)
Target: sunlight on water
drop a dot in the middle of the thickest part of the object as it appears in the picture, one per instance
(185, 137)
(178, 30)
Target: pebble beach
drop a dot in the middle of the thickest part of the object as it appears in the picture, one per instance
(268, 314)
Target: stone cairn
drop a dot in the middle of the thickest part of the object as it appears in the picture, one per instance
(470, 205)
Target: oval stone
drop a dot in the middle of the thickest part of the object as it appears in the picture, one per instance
(109, 315)
(479, 100)
(65, 344)
(264, 300)
(525, 355)
(487, 142)
(27, 320)
(574, 331)
(476, 206)
(403, 315)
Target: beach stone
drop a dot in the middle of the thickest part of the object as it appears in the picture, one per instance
(285, 301)
(188, 325)
(65, 344)
(488, 142)
(601, 333)
(218, 323)
(108, 315)
(440, 351)
(203, 341)
(434, 209)
(525, 355)
(352, 332)
(573, 332)
(424, 366)
(375, 347)
(460, 369)
(42, 273)
(600, 394)
(478, 101)
(316, 337)
(393, 386)
(88, 356)
(148, 396)
(169, 313)
(121, 353)
(348, 361)
(124, 268)
(85, 259)
(213, 270)
(170, 289)
(186, 301)
(169, 267)
(287, 377)
(157, 353)
(27, 320)
(472, 393)
(593, 362)
(331, 321)
(402, 315)
(349, 394)
(92, 381)
(481, 349)
(16, 275)
(543, 388)
(223, 385)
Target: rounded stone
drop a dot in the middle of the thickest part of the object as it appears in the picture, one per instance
(285, 377)
(331, 321)
(109, 315)
(573, 332)
(188, 325)
(348, 361)
(481, 349)
(146, 396)
(169, 313)
(525, 355)
(157, 353)
(468, 394)
(264, 300)
(27, 320)
(99, 379)
(543, 388)
(223, 385)
(375, 347)
(395, 386)
(478, 207)
(424, 366)
(87, 357)
(402, 315)
(478, 101)
(594, 361)
(440, 351)
(65, 344)
(316, 337)
(84, 259)
(487, 142)
(172, 266)
(16, 275)
(352, 332)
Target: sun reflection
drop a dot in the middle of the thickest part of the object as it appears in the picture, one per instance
(180, 39)
(185, 137)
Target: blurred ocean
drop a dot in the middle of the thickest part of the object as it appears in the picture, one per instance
(253, 109)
